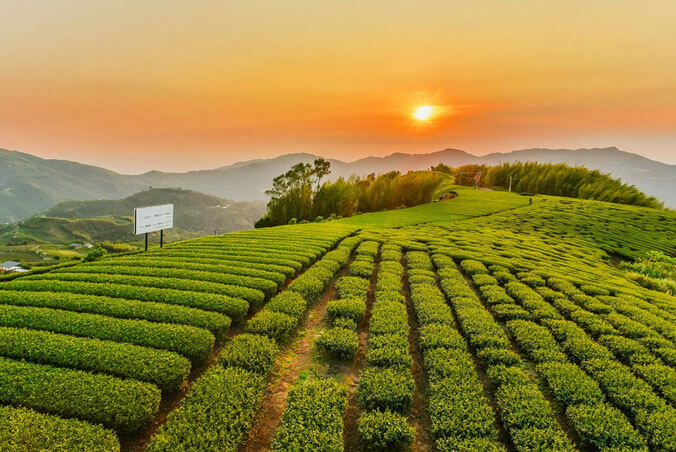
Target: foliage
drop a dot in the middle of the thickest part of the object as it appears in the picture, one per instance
(215, 414)
(386, 389)
(124, 405)
(234, 308)
(313, 418)
(119, 307)
(560, 180)
(275, 325)
(23, 430)
(350, 308)
(164, 369)
(385, 431)
(250, 352)
(193, 343)
(297, 193)
(339, 342)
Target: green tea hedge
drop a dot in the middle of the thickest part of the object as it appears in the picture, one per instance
(124, 405)
(313, 418)
(215, 415)
(167, 370)
(23, 430)
(193, 343)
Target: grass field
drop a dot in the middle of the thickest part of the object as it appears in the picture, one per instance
(469, 203)
(481, 323)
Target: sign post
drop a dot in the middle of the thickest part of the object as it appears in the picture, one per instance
(153, 218)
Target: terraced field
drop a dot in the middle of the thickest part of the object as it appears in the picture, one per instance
(507, 327)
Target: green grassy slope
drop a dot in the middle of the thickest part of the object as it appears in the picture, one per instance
(469, 203)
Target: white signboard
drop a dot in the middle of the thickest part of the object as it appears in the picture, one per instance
(153, 218)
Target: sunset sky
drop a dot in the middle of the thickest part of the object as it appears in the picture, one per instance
(181, 85)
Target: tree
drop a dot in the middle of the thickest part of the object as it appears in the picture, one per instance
(442, 168)
(322, 168)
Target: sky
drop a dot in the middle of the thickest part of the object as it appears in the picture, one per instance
(181, 85)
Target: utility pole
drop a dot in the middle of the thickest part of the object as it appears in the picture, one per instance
(510, 183)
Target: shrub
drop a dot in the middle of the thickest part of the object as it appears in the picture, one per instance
(184, 276)
(388, 341)
(164, 369)
(234, 308)
(469, 445)
(459, 410)
(288, 302)
(661, 377)
(592, 323)
(494, 356)
(584, 349)
(124, 405)
(388, 317)
(482, 279)
(339, 343)
(215, 414)
(368, 248)
(340, 255)
(344, 322)
(536, 341)
(440, 336)
(604, 427)
(194, 288)
(274, 325)
(350, 308)
(386, 389)
(524, 407)
(504, 277)
(531, 279)
(442, 363)
(120, 308)
(352, 287)
(361, 269)
(250, 352)
(313, 419)
(570, 385)
(510, 312)
(23, 430)
(432, 311)
(385, 431)
(592, 289)
(389, 355)
(545, 439)
(628, 350)
(390, 255)
(495, 294)
(309, 287)
(194, 343)
(473, 267)
(507, 376)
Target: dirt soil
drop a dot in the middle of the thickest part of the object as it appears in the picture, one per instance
(294, 359)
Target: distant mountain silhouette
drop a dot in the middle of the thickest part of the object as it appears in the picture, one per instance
(195, 214)
(29, 184)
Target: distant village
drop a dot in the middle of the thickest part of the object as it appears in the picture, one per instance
(12, 266)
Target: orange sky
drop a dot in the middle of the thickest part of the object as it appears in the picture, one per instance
(184, 85)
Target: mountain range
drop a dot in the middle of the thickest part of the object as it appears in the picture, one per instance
(30, 185)
(196, 214)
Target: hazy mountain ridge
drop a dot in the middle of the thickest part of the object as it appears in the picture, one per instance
(29, 184)
(111, 220)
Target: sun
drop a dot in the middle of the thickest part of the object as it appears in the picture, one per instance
(423, 112)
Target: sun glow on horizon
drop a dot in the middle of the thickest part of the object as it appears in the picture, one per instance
(424, 112)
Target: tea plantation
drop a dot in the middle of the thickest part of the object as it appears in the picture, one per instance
(481, 323)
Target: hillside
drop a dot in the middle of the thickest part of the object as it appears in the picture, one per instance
(111, 220)
(29, 185)
(502, 324)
